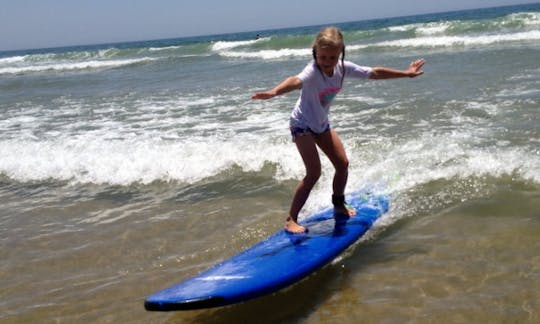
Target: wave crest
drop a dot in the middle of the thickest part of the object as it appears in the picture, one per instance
(72, 66)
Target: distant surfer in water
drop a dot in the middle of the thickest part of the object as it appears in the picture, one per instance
(320, 81)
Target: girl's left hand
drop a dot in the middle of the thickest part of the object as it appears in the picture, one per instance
(415, 68)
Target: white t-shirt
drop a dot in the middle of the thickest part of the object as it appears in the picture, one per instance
(318, 91)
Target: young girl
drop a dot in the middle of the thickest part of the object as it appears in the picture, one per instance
(320, 81)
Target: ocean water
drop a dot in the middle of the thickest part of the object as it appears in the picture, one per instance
(125, 168)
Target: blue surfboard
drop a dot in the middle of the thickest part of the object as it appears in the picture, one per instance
(275, 263)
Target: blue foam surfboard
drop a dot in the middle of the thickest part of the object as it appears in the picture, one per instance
(275, 263)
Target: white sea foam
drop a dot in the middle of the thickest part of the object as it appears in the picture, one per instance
(268, 54)
(165, 48)
(224, 45)
(88, 159)
(450, 41)
(121, 159)
(12, 59)
(433, 28)
(72, 66)
(528, 18)
(191, 138)
(423, 28)
(401, 28)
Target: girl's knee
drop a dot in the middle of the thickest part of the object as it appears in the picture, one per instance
(342, 164)
(312, 177)
(346, 163)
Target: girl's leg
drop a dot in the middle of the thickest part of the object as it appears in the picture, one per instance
(308, 151)
(331, 145)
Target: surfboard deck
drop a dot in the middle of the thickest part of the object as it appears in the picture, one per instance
(274, 263)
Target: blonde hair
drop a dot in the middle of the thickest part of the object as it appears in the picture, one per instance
(330, 37)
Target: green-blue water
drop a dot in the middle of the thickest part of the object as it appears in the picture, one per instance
(125, 168)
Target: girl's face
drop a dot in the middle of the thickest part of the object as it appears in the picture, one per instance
(327, 58)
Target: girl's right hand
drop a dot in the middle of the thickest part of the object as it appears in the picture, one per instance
(263, 95)
(287, 85)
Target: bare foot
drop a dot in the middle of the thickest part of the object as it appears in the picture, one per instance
(293, 227)
(345, 210)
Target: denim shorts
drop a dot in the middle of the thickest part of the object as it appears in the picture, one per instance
(298, 131)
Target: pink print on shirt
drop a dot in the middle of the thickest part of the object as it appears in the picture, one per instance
(326, 96)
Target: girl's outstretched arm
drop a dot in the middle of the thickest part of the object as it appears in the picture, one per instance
(414, 70)
(287, 85)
